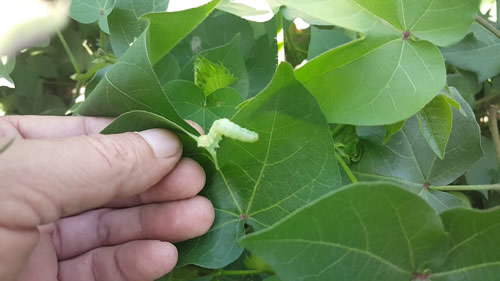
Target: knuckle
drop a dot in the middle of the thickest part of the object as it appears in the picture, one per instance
(121, 156)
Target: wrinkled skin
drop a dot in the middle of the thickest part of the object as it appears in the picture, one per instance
(76, 205)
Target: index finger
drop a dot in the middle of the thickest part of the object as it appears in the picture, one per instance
(39, 127)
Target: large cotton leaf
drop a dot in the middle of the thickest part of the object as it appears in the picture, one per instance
(132, 84)
(395, 68)
(258, 184)
(478, 52)
(475, 246)
(363, 232)
(407, 158)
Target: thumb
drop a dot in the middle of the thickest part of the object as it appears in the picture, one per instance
(43, 180)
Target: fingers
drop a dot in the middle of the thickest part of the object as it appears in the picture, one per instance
(35, 127)
(133, 261)
(184, 181)
(173, 221)
(45, 180)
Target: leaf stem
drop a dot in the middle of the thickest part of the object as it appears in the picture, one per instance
(486, 24)
(466, 187)
(346, 168)
(336, 131)
(280, 37)
(236, 272)
(102, 38)
(493, 122)
(68, 51)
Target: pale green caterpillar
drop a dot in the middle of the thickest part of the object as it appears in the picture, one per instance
(224, 127)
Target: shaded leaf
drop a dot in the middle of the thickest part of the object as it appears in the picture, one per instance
(479, 52)
(409, 160)
(214, 32)
(261, 64)
(484, 171)
(323, 40)
(351, 226)
(466, 83)
(392, 129)
(124, 22)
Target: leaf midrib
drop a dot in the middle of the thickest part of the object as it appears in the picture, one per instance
(340, 246)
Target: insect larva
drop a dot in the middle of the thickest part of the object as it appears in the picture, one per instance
(224, 127)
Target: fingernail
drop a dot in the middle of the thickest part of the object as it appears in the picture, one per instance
(163, 143)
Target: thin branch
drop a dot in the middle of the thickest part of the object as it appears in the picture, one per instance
(486, 24)
(493, 122)
(236, 272)
(68, 51)
(346, 168)
(466, 187)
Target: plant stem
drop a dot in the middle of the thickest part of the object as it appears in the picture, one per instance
(486, 24)
(466, 187)
(336, 131)
(236, 272)
(346, 168)
(493, 121)
(280, 37)
(68, 51)
(103, 36)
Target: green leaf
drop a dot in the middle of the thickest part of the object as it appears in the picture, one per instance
(474, 252)
(392, 71)
(132, 83)
(167, 69)
(369, 231)
(124, 22)
(230, 57)
(261, 64)
(408, 159)
(435, 122)
(192, 104)
(89, 11)
(7, 65)
(392, 129)
(477, 53)
(214, 32)
(323, 40)
(484, 171)
(258, 184)
(466, 83)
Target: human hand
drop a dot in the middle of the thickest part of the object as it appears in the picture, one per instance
(58, 169)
